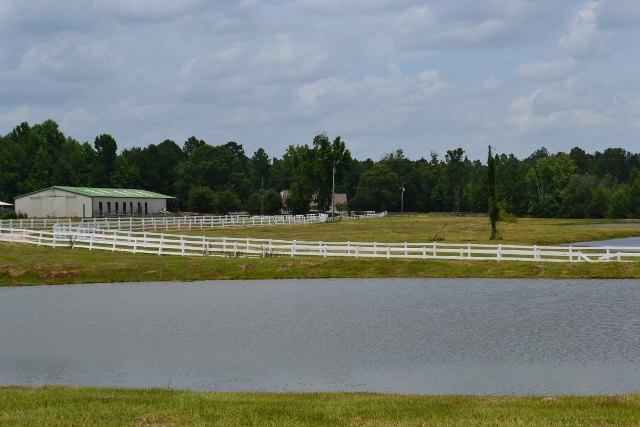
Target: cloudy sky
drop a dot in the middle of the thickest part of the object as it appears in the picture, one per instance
(384, 74)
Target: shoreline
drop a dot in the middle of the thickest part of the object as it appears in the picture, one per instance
(65, 405)
(24, 265)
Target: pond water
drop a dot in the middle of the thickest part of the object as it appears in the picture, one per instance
(625, 242)
(450, 336)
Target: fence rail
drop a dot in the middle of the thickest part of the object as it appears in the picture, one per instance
(176, 223)
(90, 237)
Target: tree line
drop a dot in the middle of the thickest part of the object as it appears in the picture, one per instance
(223, 178)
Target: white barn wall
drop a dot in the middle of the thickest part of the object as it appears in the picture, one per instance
(54, 202)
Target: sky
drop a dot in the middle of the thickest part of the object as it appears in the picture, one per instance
(421, 76)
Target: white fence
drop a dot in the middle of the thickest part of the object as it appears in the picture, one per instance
(173, 244)
(177, 223)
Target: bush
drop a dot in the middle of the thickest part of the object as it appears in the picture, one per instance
(9, 215)
(203, 200)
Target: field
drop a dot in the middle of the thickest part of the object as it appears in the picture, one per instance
(70, 406)
(526, 231)
(31, 265)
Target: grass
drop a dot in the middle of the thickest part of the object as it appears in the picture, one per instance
(31, 265)
(75, 406)
(526, 231)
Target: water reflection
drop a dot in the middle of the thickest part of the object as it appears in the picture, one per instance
(468, 336)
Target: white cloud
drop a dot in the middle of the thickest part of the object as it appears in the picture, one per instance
(417, 75)
(490, 82)
(573, 52)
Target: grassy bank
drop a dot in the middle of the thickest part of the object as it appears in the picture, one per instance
(70, 406)
(22, 264)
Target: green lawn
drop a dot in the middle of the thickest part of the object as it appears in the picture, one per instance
(31, 265)
(526, 231)
(70, 406)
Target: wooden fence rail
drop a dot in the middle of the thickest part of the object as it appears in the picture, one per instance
(87, 237)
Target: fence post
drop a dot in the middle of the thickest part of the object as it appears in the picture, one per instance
(182, 244)
(349, 248)
(424, 253)
(388, 252)
(469, 250)
(40, 238)
(54, 238)
(91, 242)
(113, 249)
(325, 251)
(293, 248)
(235, 249)
(357, 251)
(405, 249)
(608, 259)
(434, 249)
(160, 245)
(375, 251)
(570, 253)
(499, 252)
(224, 244)
(270, 248)
(135, 245)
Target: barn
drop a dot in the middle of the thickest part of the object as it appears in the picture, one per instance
(85, 202)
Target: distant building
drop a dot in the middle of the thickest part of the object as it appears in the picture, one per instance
(87, 202)
(341, 198)
(5, 207)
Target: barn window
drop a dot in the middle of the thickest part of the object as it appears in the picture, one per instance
(145, 208)
(131, 206)
(124, 207)
(116, 207)
(139, 207)
(100, 207)
(108, 207)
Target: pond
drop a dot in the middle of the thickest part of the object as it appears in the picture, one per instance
(449, 336)
(625, 242)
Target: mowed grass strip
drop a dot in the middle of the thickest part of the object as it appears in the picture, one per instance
(71, 406)
(23, 264)
(526, 231)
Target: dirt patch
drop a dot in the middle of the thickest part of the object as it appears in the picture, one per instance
(155, 421)
(616, 400)
(245, 267)
(13, 271)
(285, 267)
(59, 274)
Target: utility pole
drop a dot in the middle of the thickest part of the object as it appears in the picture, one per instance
(262, 196)
(402, 203)
(333, 192)
(491, 190)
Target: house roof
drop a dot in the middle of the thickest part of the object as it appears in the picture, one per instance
(108, 192)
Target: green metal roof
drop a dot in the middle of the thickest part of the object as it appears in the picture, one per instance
(108, 192)
(114, 192)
